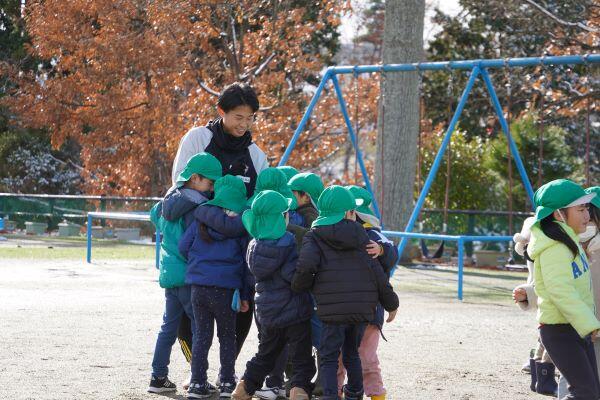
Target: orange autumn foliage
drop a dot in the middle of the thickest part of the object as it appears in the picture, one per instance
(126, 80)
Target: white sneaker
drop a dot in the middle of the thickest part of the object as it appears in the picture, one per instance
(267, 393)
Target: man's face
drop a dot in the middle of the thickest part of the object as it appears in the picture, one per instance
(238, 120)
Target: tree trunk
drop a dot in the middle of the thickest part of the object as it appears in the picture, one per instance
(398, 121)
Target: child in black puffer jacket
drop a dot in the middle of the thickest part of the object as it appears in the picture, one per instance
(347, 284)
(282, 315)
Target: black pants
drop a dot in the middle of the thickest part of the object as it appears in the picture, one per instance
(213, 304)
(243, 324)
(575, 359)
(242, 327)
(271, 343)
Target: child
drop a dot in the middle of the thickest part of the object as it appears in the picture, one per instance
(306, 187)
(216, 269)
(299, 222)
(171, 216)
(382, 249)
(333, 263)
(273, 179)
(289, 171)
(283, 316)
(592, 247)
(563, 285)
(540, 366)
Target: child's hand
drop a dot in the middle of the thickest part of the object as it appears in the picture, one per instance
(519, 295)
(374, 249)
(245, 306)
(391, 315)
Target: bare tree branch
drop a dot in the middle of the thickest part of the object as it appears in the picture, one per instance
(580, 25)
(207, 89)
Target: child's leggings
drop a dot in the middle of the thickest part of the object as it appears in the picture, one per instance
(372, 380)
(213, 304)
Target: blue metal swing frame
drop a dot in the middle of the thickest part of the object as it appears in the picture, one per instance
(476, 68)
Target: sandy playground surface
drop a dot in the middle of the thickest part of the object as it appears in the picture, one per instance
(71, 330)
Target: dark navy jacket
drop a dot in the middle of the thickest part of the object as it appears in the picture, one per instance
(181, 202)
(220, 263)
(346, 282)
(387, 260)
(273, 263)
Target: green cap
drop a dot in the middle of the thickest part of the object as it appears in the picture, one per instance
(230, 193)
(203, 164)
(594, 190)
(309, 183)
(334, 202)
(557, 194)
(273, 179)
(362, 193)
(289, 171)
(265, 219)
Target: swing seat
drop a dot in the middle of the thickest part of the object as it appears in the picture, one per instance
(425, 251)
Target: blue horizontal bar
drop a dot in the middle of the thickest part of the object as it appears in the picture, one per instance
(469, 64)
(415, 235)
(454, 238)
(487, 238)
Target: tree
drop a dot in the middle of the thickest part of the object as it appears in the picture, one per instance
(558, 161)
(398, 121)
(127, 79)
(29, 165)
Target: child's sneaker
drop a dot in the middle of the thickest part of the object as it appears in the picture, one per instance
(200, 391)
(161, 385)
(226, 389)
(268, 393)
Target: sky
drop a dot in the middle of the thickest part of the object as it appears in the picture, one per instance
(349, 25)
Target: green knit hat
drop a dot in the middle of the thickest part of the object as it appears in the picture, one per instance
(333, 204)
(289, 171)
(203, 164)
(230, 193)
(273, 179)
(557, 194)
(595, 190)
(309, 183)
(265, 219)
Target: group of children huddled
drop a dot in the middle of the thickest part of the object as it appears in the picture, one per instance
(311, 262)
(561, 244)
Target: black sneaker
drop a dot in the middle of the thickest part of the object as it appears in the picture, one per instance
(200, 391)
(161, 385)
(226, 389)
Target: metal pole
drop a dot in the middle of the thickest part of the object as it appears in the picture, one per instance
(361, 163)
(461, 247)
(89, 239)
(305, 118)
(438, 158)
(506, 130)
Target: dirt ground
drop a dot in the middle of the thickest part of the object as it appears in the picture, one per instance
(71, 330)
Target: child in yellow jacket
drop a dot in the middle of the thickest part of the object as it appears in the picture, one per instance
(566, 310)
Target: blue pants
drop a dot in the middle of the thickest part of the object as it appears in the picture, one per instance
(212, 304)
(345, 338)
(177, 302)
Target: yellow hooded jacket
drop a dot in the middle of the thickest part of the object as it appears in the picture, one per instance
(562, 282)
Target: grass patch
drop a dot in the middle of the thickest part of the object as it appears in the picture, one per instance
(52, 248)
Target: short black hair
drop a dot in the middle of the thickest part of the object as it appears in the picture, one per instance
(595, 215)
(238, 94)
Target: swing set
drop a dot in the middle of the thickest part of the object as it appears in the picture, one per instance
(475, 69)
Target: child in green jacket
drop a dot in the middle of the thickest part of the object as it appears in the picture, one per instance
(566, 310)
(193, 186)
